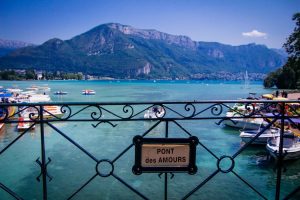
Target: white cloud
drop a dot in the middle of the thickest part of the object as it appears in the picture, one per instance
(255, 33)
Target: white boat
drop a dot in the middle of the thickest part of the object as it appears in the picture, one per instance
(24, 124)
(247, 135)
(54, 110)
(44, 88)
(88, 92)
(60, 93)
(14, 90)
(245, 108)
(30, 92)
(291, 146)
(35, 98)
(244, 123)
(32, 88)
(154, 112)
(247, 83)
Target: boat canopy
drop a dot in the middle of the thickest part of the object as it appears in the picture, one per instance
(5, 95)
(268, 96)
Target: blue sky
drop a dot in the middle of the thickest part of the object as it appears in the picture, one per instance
(232, 22)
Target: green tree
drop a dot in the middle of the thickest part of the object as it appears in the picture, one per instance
(79, 77)
(292, 44)
(289, 76)
(30, 74)
(271, 79)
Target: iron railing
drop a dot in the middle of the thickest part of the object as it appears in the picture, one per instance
(178, 114)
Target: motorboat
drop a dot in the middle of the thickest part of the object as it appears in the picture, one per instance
(60, 93)
(33, 88)
(35, 98)
(154, 112)
(244, 123)
(24, 124)
(44, 88)
(88, 92)
(14, 90)
(243, 110)
(291, 146)
(247, 135)
(246, 108)
(51, 110)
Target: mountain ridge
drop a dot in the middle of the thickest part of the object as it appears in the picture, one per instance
(122, 51)
(7, 46)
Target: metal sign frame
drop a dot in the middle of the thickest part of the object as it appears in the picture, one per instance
(138, 141)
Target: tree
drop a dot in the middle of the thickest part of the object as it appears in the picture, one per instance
(289, 76)
(271, 79)
(292, 45)
(30, 74)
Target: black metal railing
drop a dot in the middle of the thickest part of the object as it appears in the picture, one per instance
(181, 115)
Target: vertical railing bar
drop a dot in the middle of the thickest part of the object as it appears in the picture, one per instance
(166, 186)
(13, 194)
(280, 158)
(166, 174)
(167, 129)
(43, 154)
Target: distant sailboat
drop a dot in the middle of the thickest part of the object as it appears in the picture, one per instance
(247, 82)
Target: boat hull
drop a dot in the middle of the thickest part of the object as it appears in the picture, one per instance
(258, 141)
(242, 124)
(262, 139)
(288, 154)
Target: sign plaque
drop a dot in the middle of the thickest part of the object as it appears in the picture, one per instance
(165, 155)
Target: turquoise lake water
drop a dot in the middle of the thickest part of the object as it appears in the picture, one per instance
(71, 168)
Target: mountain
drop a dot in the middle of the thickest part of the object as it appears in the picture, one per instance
(281, 52)
(122, 51)
(7, 46)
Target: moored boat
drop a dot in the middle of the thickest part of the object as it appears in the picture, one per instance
(247, 135)
(88, 92)
(244, 123)
(51, 111)
(39, 98)
(154, 112)
(14, 90)
(291, 146)
(60, 93)
(24, 124)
